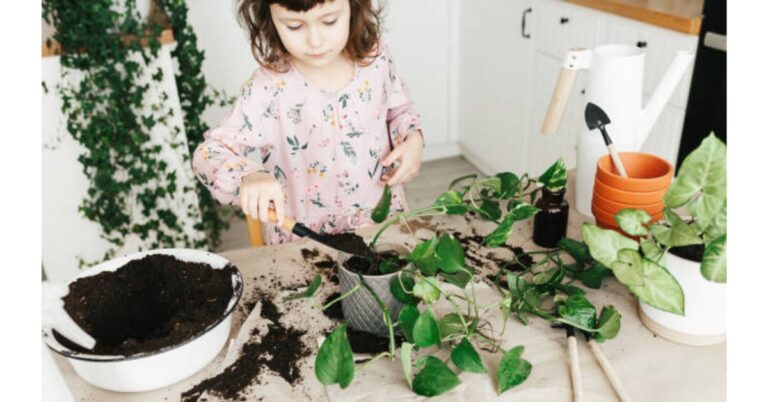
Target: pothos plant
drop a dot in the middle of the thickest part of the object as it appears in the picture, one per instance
(107, 113)
(700, 189)
(499, 199)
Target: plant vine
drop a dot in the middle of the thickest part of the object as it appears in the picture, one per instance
(111, 109)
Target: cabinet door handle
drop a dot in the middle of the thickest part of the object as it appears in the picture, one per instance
(564, 20)
(641, 44)
(525, 20)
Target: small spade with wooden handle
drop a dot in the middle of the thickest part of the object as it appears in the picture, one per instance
(349, 243)
(597, 118)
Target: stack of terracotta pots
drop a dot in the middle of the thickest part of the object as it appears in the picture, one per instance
(648, 179)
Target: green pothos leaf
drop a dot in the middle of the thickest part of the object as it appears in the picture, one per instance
(381, 211)
(578, 312)
(435, 378)
(555, 177)
(426, 331)
(608, 325)
(500, 235)
(405, 359)
(466, 358)
(401, 287)
(424, 256)
(334, 363)
(450, 254)
(427, 289)
(452, 201)
(513, 369)
(407, 319)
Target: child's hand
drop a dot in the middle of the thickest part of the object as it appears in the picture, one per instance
(409, 155)
(256, 192)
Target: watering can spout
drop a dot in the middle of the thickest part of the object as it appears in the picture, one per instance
(662, 94)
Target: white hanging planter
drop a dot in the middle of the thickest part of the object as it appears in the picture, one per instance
(704, 322)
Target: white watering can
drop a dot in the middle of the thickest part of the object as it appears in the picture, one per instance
(616, 85)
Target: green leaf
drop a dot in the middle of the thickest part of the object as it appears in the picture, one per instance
(544, 277)
(633, 221)
(407, 318)
(451, 325)
(501, 233)
(452, 201)
(466, 358)
(513, 369)
(555, 177)
(506, 306)
(401, 287)
(405, 359)
(577, 311)
(311, 289)
(424, 256)
(713, 264)
(459, 279)
(660, 289)
(718, 226)
(678, 233)
(593, 277)
(703, 172)
(575, 248)
(435, 378)
(628, 267)
(517, 284)
(507, 185)
(427, 289)
(651, 250)
(389, 265)
(450, 254)
(604, 244)
(609, 324)
(426, 331)
(381, 211)
(490, 210)
(334, 363)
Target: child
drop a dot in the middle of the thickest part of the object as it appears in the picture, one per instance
(328, 112)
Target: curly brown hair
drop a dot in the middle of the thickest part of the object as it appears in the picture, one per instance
(268, 50)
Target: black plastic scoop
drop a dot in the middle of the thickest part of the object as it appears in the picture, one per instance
(349, 243)
(597, 118)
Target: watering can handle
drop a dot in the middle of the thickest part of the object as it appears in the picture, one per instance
(559, 99)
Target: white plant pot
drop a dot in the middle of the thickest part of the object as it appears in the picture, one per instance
(704, 322)
(153, 370)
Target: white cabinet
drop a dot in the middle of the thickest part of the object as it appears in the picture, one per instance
(506, 81)
(494, 71)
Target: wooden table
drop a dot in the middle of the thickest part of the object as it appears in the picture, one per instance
(651, 368)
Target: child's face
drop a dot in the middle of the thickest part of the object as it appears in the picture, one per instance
(315, 37)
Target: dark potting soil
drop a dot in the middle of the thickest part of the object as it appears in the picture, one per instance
(348, 242)
(694, 252)
(323, 262)
(361, 342)
(364, 266)
(148, 304)
(279, 350)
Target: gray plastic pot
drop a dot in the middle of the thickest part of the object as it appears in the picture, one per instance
(360, 309)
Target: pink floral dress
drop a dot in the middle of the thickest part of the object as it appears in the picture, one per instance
(325, 148)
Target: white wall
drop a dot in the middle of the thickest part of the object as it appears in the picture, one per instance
(419, 35)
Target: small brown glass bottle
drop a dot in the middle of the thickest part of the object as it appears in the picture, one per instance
(550, 224)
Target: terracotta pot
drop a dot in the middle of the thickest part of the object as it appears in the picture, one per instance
(646, 172)
(607, 220)
(614, 207)
(628, 197)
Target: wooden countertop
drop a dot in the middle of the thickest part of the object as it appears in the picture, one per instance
(678, 15)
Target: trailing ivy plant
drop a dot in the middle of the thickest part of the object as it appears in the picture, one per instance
(498, 199)
(105, 58)
(700, 189)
